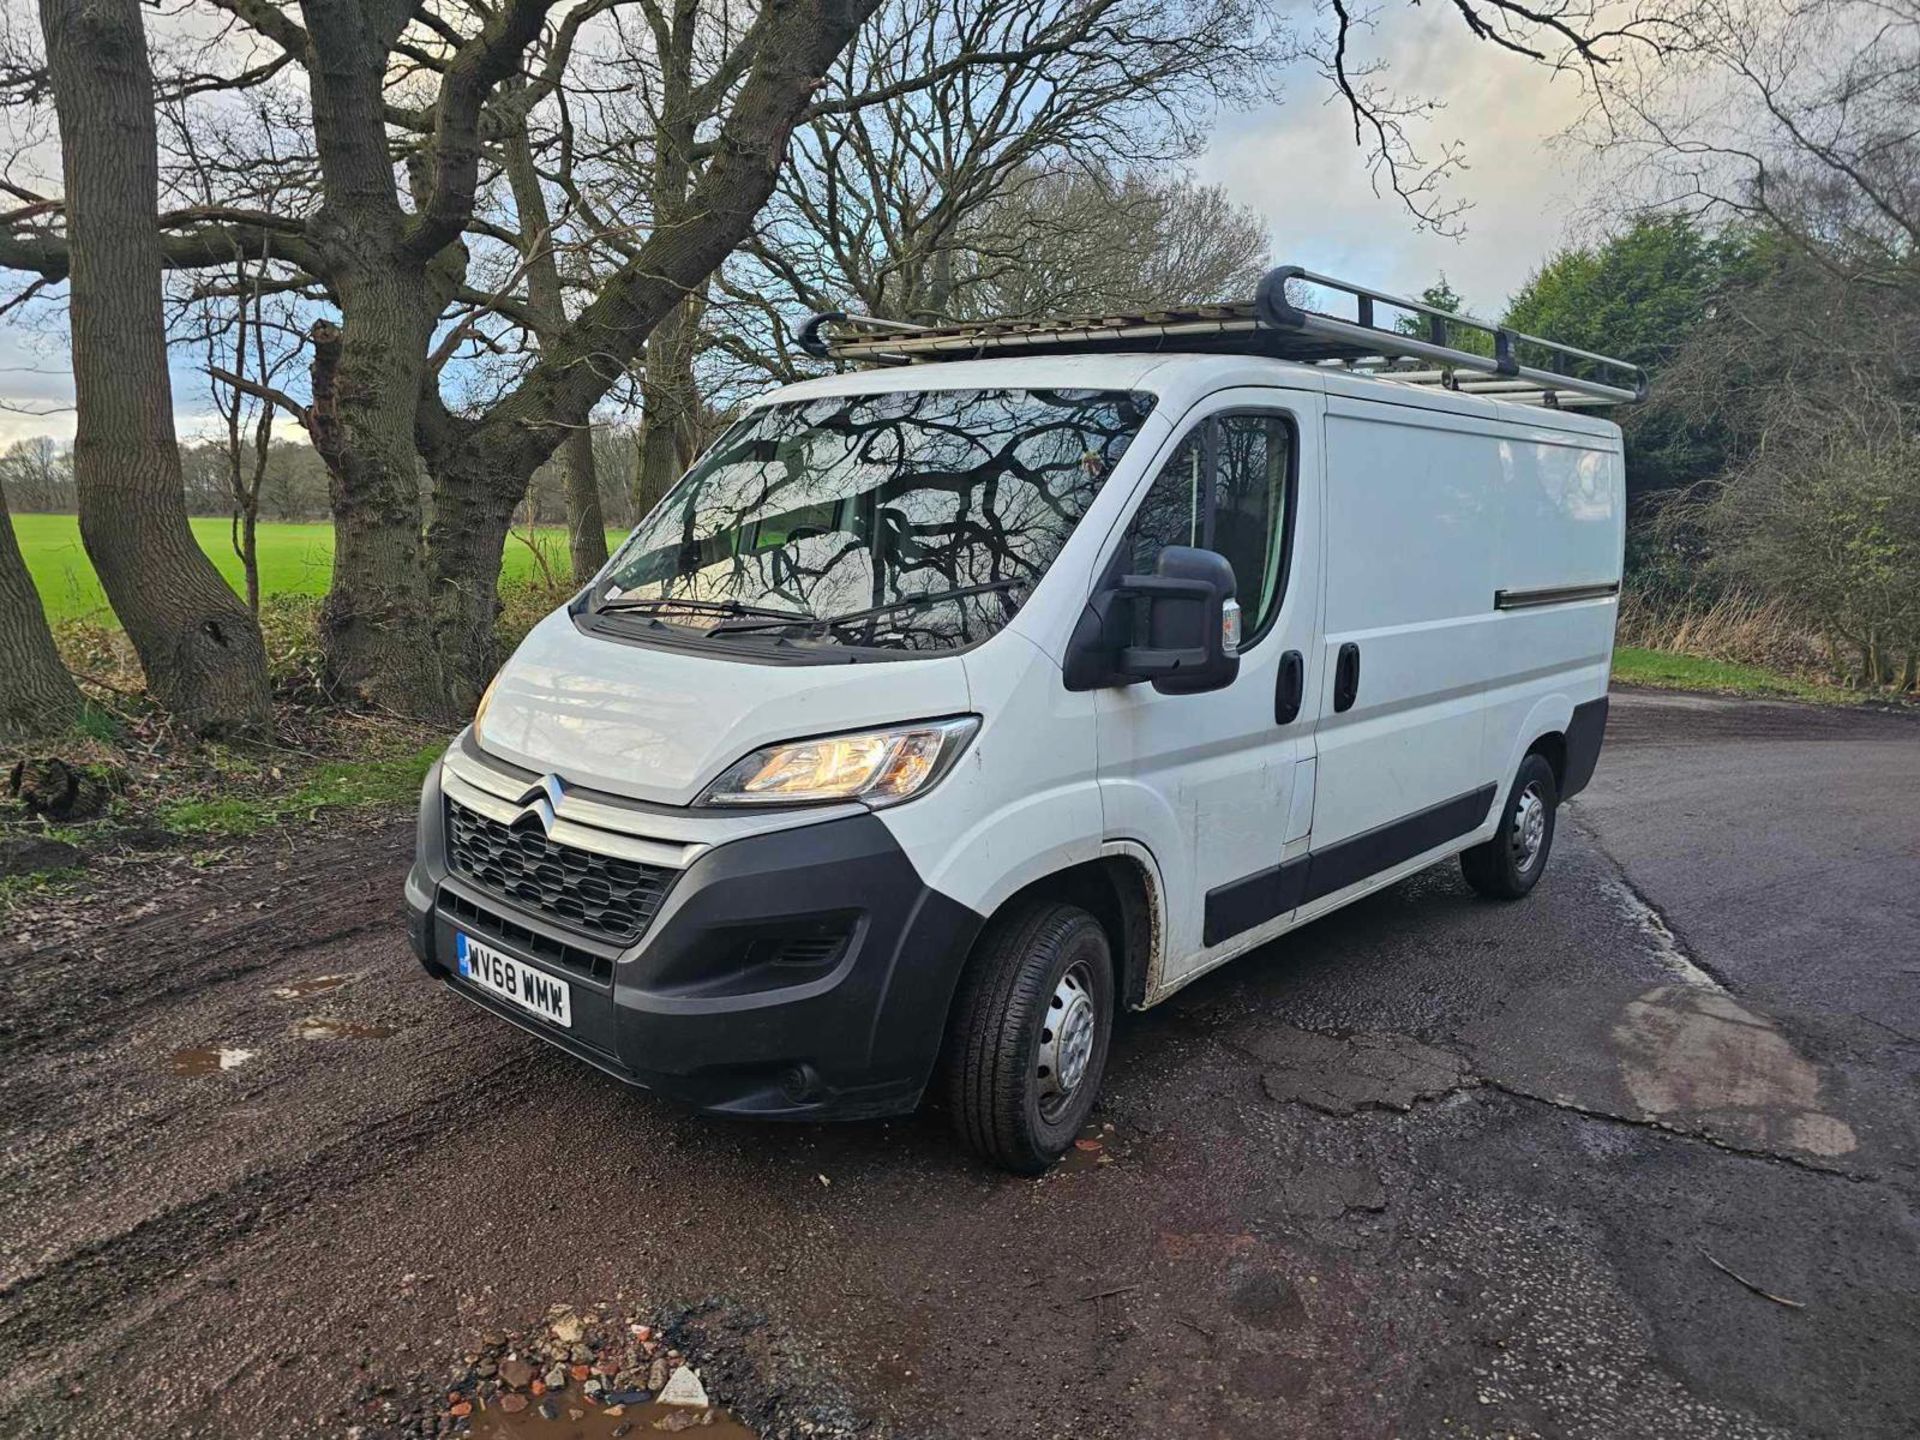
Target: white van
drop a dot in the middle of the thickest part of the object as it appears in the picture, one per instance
(947, 706)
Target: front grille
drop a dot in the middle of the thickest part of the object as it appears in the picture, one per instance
(595, 894)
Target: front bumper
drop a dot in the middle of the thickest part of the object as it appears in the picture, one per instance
(802, 974)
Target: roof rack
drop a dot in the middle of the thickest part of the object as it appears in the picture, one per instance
(1521, 368)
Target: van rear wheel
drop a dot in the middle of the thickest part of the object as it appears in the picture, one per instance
(1511, 863)
(1029, 1037)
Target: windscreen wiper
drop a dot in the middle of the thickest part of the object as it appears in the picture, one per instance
(654, 604)
(857, 617)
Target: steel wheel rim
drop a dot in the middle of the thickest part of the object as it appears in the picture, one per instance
(1529, 835)
(1066, 1041)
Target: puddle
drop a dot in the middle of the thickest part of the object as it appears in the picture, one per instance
(613, 1422)
(318, 985)
(209, 1060)
(1096, 1148)
(323, 1027)
(1696, 1056)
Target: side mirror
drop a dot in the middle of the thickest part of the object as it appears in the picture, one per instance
(1184, 613)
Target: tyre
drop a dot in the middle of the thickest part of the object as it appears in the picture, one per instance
(1511, 863)
(1028, 1039)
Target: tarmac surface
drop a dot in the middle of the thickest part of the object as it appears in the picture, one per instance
(1634, 1157)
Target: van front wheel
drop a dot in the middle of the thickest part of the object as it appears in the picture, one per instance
(1028, 1044)
(1511, 863)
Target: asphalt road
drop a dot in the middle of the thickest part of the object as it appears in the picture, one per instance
(1432, 1166)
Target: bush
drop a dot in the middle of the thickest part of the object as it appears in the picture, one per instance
(524, 603)
(290, 626)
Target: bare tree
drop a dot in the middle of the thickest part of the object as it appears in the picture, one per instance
(37, 474)
(247, 352)
(409, 618)
(1799, 117)
(198, 644)
(36, 693)
(1080, 241)
(245, 319)
(884, 207)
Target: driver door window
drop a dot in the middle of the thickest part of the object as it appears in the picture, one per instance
(1227, 487)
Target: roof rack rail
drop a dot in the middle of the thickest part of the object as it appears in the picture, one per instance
(1521, 368)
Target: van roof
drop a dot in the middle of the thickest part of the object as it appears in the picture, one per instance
(1178, 381)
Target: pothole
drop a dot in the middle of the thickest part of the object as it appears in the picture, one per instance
(587, 1373)
(1341, 1075)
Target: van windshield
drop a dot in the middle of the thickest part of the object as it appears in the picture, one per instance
(914, 520)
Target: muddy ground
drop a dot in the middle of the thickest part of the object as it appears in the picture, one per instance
(1429, 1167)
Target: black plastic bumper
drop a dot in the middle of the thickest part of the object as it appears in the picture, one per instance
(804, 974)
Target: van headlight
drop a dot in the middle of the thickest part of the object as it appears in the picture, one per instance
(486, 699)
(875, 767)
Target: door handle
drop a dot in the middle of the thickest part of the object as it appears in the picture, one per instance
(1346, 677)
(1290, 688)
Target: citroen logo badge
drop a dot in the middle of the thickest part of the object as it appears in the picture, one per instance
(540, 801)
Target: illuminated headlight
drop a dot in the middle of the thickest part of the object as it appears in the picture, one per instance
(875, 767)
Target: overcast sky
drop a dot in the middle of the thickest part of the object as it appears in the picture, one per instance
(1294, 163)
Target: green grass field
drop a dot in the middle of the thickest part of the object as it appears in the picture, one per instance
(1668, 670)
(294, 559)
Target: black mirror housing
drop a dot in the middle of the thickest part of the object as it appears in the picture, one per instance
(1186, 649)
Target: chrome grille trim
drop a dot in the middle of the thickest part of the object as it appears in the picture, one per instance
(565, 829)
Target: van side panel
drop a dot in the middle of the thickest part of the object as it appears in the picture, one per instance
(1411, 515)
(1561, 531)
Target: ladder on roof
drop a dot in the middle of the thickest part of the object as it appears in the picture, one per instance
(1522, 369)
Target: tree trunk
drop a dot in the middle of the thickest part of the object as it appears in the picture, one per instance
(36, 693)
(669, 404)
(198, 644)
(250, 554)
(378, 619)
(472, 514)
(586, 526)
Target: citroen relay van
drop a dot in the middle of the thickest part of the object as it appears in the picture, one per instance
(1026, 671)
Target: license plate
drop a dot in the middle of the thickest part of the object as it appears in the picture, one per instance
(515, 980)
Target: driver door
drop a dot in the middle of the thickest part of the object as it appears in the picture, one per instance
(1219, 786)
